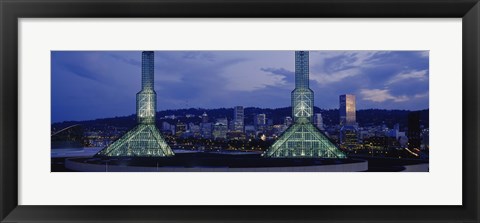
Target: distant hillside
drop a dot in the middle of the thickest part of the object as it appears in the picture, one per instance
(368, 117)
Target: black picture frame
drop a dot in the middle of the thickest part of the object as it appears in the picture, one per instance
(12, 10)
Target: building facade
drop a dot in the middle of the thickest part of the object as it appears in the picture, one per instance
(349, 137)
(260, 120)
(348, 122)
(219, 131)
(414, 131)
(318, 121)
(204, 117)
(347, 110)
(238, 119)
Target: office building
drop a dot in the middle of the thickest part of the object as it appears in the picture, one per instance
(260, 120)
(238, 119)
(219, 131)
(414, 132)
(180, 128)
(348, 122)
(347, 110)
(222, 120)
(206, 130)
(318, 121)
(204, 117)
(349, 137)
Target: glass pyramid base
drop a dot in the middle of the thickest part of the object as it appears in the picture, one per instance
(303, 139)
(142, 141)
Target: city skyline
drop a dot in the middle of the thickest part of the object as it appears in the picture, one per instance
(89, 85)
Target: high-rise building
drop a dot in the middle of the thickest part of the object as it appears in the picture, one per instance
(425, 139)
(204, 117)
(180, 128)
(260, 120)
(347, 110)
(144, 139)
(318, 121)
(238, 119)
(395, 132)
(348, 122)
(168, 128)
(250, 131)
(222, 120)
(349, 137)
(288, 121)
(303, 139)
(414, 132)
(219, 131)
(206, 130)
(194, 129)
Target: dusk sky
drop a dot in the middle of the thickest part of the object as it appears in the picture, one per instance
(100, 84)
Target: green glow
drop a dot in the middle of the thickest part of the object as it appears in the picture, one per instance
(144, 139)
(303, 139)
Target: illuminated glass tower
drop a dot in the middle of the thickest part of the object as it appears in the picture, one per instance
(348, 122)
(144, 140)
(303, 139)
(347, 109)
(238, 119)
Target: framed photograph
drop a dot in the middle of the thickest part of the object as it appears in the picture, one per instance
(196, 133)
(223, 111)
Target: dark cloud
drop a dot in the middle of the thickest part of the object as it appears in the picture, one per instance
(281, 71)
(394, 74)
(94, 84)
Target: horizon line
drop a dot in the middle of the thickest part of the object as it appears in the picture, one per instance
(134, 114)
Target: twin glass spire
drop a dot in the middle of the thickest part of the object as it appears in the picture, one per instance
(302, 139)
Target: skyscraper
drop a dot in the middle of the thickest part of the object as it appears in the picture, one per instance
(204, 117)
(144, 139)
(219, 130)
(206, 130)
(318, 121)
(238, 119)
(414, 132)
(303, 139)
(347, 110)
(260, 120)
(348, 122)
